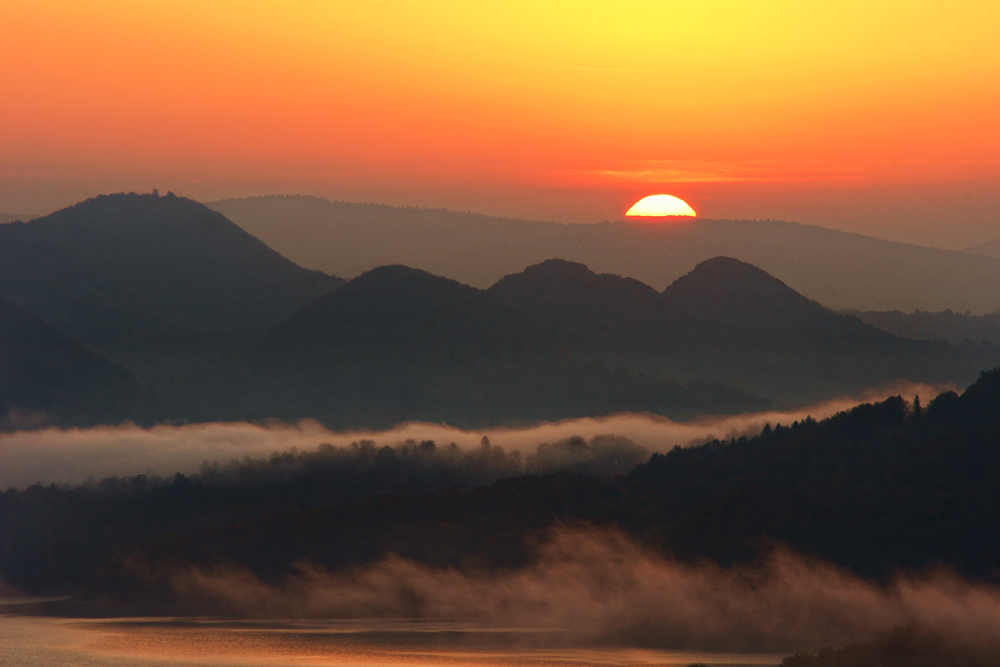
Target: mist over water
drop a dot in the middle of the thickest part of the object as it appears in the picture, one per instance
(600, 587)
(72, 456)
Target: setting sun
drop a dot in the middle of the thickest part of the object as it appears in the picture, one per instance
(660, 206)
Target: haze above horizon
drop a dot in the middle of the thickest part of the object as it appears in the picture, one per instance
(869, 118)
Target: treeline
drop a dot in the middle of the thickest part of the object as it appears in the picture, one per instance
(881, 487)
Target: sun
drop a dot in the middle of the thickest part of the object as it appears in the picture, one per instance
(660, 206)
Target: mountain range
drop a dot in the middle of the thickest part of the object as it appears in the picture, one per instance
(837, 269)
(222, 327)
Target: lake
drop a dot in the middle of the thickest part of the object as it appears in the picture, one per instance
(27, 641)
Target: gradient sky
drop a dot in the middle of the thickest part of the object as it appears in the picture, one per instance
(877, 117)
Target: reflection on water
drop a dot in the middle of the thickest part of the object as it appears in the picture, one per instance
(46, 642)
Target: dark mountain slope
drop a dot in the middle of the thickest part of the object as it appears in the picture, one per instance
(572, 287)
(598, 314)
(129, 270)
(727, 321)
(397, 344)
(724, 297)
(400, 307)
(47, 378)
(731, 323)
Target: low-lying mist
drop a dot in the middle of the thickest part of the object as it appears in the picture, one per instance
(598, 586)
(612, 444)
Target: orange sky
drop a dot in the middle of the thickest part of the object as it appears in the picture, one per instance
(561, 110)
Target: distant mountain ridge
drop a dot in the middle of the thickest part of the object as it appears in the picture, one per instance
(356, 237)
(946, 325)
(124, 270)
(837, 269)
(990, 249)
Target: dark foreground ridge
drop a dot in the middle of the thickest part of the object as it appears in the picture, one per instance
(881, 488)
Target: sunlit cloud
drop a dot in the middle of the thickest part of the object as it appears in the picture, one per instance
(830, 171)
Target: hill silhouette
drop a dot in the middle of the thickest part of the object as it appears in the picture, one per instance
(838, 269)
(557, 290)
(396, 306)
(46, 379)
(127, 270)
(723, 297)
(556, 341)
(399, 344)
(731, 323)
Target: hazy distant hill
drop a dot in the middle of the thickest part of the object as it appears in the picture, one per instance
(46, 378)
(991, 249)
(946, 325)
(131, 270)
(355, 237)
(837, 269)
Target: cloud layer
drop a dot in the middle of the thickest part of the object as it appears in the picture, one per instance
(71, 456)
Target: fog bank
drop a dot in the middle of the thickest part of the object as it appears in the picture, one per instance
(599, 586)
(71, 456)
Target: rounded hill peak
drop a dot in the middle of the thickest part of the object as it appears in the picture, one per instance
(730, 279)
(400, 305)
(121, 269)
(558, 281)
(559, 267)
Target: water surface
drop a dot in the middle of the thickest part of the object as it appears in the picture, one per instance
(48, 642)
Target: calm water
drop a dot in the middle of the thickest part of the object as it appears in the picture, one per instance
(46, 642)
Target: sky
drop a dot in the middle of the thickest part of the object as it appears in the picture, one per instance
(876, 117)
